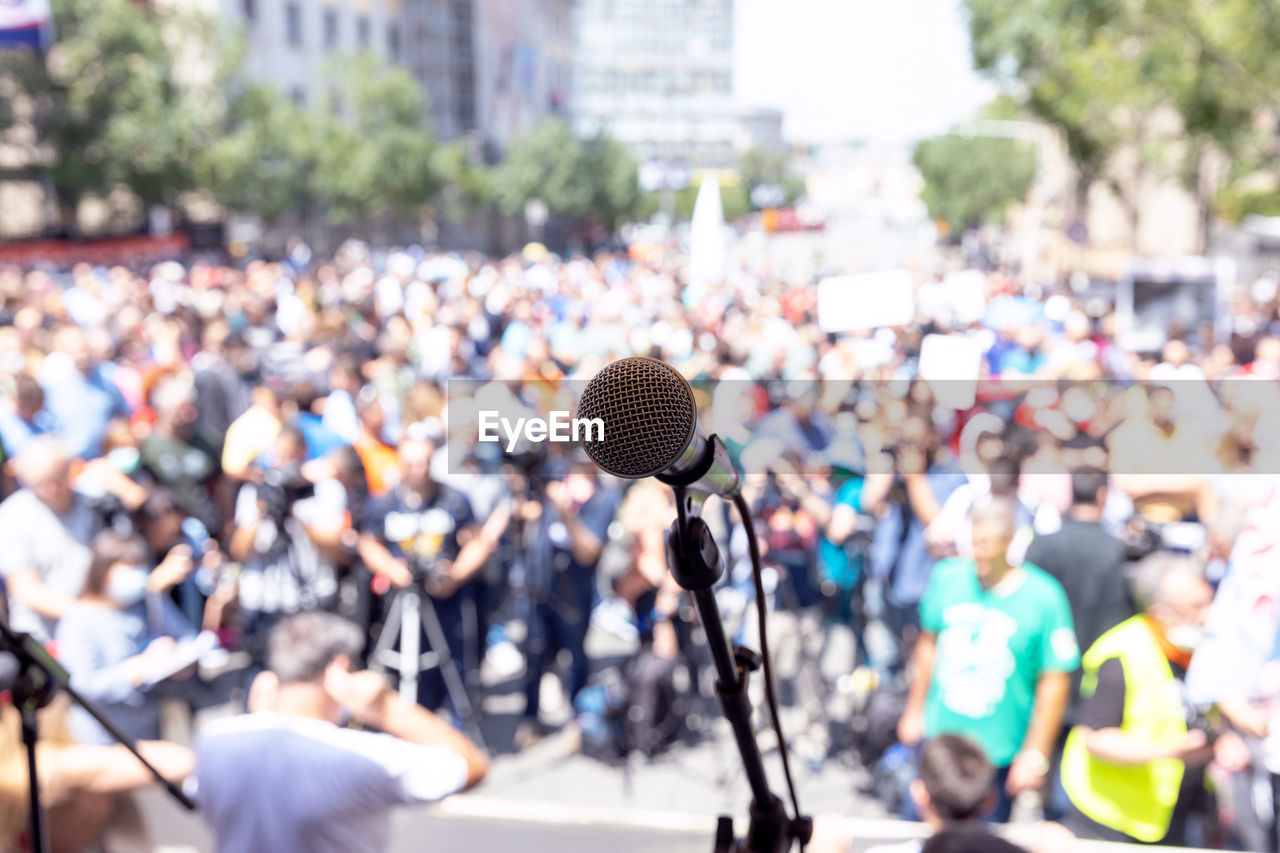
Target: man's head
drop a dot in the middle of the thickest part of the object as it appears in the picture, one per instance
(1173, 592)
(1005, 472)
(1088, 487)
(44, 467)
(289, 450)
(370, 412)
(301, 649)
(415, 459)
(174, 401)
(30, 397)
(1160, 402)
(74, 342)
(160, 520)
(994, 520)
(955, 781)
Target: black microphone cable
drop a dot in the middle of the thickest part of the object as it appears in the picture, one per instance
(762, 617)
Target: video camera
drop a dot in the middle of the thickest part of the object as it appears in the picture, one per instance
(281, 488)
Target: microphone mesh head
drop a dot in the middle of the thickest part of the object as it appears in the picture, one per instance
(648, 412)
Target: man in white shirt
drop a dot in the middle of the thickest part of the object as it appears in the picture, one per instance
(46, 528)
(287, 776)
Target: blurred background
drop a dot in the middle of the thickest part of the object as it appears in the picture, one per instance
(248, 247)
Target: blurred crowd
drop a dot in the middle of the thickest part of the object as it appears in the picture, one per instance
(1030, 557)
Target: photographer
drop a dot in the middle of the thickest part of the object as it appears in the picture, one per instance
(423, 533)
(905, 488)
(1132, 765)
(572, 526)
(288, 535)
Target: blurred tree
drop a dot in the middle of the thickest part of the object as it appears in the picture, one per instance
(971, 180)
(386, 159)
(467, 186)
(110, 103)
(592, 179)
(770, 166)
(1178, 87)
(366, 151)
(1072, 63)
(263, 161)
(614, 177)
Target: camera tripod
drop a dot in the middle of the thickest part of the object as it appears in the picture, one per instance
(408, 609)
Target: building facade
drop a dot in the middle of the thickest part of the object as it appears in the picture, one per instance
(292, 44)
(523, 64)
(658, 76)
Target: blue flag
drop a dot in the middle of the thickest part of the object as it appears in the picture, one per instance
(26, 23)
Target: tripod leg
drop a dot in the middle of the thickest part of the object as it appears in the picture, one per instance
(388, 635)
(452, 680)
(410, 647)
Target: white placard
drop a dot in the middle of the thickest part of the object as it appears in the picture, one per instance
(848, 303)
(950, 364)
(966, 294)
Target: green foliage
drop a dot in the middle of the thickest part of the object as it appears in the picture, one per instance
(972, 180)
(1112, 74)
(1234, 204)
(109, 102)
(596, 178)
(468, 188)
(263, 162)
(769, 166)
(276, 157)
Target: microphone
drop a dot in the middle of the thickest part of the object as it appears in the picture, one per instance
(650, 422)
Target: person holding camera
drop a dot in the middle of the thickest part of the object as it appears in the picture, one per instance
(1132, 765)
(572, 529)
(288, 536)
(423, 533)
(905, 488)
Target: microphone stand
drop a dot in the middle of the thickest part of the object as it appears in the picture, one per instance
(694, 560)
(37, 679)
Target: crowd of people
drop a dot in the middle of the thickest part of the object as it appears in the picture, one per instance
(1069, 568)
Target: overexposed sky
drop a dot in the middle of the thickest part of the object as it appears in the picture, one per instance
(879, 70)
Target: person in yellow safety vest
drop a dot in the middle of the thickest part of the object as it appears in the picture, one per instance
(1132, 766)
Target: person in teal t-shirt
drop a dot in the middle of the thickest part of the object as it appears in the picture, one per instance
(994, 659)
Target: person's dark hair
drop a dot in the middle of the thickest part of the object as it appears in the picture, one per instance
(968, 839)
(353, 475)
(159, 504)
(304, 394)
(28, 391)
(295, 435)
(1086, 483)
(106, 550)
(301, 647)
(957, 775)
(1005, 472)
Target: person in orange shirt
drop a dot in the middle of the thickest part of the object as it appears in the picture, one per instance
(381, 462)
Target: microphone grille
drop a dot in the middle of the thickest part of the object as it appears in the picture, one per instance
(648, 412)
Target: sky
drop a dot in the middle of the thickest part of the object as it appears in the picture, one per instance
(877, 70)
